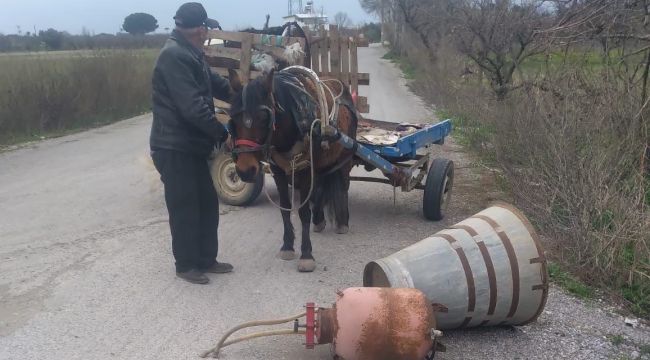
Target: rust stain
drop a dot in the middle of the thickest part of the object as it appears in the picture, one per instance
(327, 326)
(381, 337)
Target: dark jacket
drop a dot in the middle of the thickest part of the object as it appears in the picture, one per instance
(183, 106)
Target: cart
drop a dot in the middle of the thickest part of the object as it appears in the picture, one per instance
(401, 154)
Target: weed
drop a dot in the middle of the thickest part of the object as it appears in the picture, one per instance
(639, 298)
(568, 282)
(644, 349)
(616, 340)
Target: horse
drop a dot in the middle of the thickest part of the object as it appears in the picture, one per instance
(273, 119)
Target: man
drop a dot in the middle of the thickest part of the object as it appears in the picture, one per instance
(184, 133)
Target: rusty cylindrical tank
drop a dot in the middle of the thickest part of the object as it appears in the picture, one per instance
(487, 270)
(378, 324)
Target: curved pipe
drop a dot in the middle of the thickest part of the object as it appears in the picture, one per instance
(222, 343)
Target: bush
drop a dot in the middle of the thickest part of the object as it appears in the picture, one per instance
(570, 144)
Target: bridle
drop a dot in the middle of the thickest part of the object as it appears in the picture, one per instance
(243, 146)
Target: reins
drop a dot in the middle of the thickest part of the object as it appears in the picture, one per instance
(330, 117)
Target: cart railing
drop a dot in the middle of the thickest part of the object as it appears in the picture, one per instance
(332, 54)
(335, 54)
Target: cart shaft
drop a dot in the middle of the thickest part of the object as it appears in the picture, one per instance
(398, 175)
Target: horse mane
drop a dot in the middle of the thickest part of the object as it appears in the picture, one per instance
(254, 96)
(289, 95)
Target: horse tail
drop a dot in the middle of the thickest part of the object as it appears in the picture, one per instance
(333, 191)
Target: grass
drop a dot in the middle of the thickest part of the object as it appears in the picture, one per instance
(46, 95)
(616, 340)
(554, 60)
(644, 349)
(471, 134)
(568, 282)
(409, 71)
(639, 298)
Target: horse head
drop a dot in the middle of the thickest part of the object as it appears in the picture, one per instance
(252, 122)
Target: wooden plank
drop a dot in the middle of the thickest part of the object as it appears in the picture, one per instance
(362, 42)
(224, 72)
(324, 55)
(317, 39)
(315, 57)
(245, 63)
(335, 51)
(260, 39)
(220, 62)
(354, 68)
(226, 35)
(277, 40)
(362, 105)
(364, 78)
(345, 61)
(224, 52)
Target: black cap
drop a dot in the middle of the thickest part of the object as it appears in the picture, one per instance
(192, 15)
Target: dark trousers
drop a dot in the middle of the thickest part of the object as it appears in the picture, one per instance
(193, 208)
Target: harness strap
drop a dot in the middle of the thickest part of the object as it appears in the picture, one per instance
(249, 143)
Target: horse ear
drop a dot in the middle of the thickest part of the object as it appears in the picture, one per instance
(235, 81)
(268, 81)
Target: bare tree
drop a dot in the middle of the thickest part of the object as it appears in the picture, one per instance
(342, 20)
(498, 35)
(372, 6)
(622, 30)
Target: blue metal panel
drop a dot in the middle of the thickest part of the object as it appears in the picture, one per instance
(367, 154)
(407, 146)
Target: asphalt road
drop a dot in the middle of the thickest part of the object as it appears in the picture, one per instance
(86, 269)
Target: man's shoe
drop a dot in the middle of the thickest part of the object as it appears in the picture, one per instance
(194, 277)
(219, 268)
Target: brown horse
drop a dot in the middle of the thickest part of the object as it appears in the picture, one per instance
(273, 120)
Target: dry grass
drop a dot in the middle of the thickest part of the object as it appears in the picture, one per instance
(44, 95)
(569, 148)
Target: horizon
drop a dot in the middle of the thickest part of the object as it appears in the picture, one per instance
(76, 16)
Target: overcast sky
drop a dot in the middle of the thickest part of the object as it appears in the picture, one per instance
(107, 16)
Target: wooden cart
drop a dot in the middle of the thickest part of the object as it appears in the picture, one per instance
(331, 54)
(328, 53)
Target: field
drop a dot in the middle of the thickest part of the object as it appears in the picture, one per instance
(46, 94)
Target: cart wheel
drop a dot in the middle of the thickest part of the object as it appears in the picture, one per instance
(230, 189)
(437, 190)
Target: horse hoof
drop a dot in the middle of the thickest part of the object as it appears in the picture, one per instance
(342, 229)
(306, 265)
(287, 255)
(320, 227)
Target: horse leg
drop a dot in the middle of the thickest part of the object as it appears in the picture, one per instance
(343, 211)
(318, 208)
(282, 182)
(343, 216)
(307, 262)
